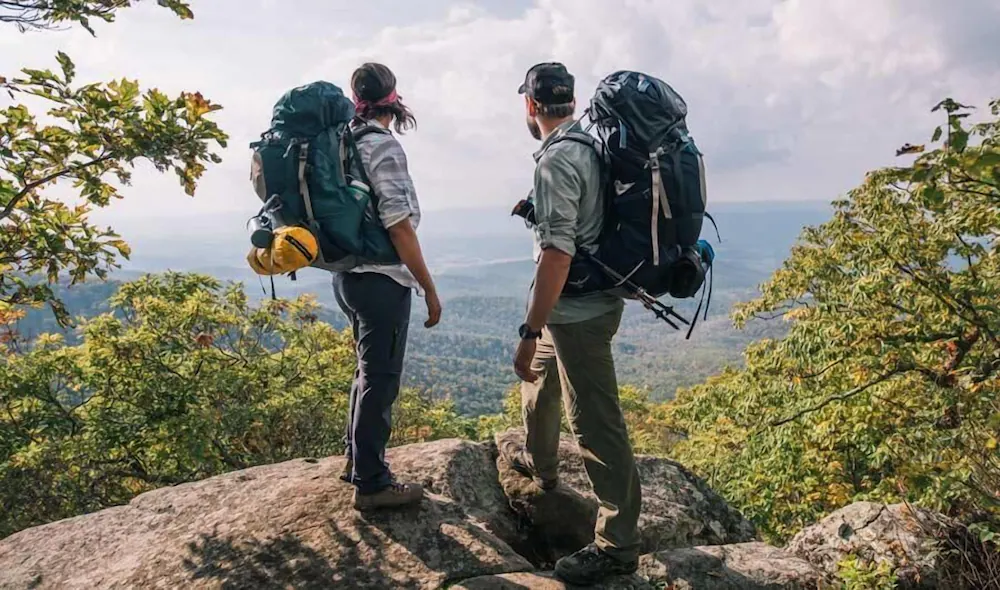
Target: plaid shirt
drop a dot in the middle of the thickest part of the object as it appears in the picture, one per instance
(385, 164)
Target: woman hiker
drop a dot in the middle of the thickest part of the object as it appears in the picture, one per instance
(376, 298)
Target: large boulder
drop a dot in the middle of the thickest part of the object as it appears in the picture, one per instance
(279, 526)
(903, 536)
(745, 566)
(678, 508)
(464, 472)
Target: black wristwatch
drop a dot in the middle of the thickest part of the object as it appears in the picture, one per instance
(526, 334)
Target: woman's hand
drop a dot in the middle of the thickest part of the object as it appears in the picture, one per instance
(404, 239)
(433, 309)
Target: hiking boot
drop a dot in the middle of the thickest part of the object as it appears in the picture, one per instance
(591, 565)
(514, 453)
(397, 494)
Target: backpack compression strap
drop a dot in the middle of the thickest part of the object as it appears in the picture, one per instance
(659, 198)
(304, 185)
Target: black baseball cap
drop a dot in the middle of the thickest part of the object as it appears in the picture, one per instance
(548, 83)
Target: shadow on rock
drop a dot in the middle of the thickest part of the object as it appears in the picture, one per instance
(458, 548)
(555, 522)
(233, 565)
(546, 581)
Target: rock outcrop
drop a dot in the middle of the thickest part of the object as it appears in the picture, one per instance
(678, 508)
(481, 527)
(745, 566)
(277, 526)
(903, 536)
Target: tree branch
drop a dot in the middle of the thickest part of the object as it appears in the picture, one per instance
(842, 396)
(9, 208)
(823, 370)
(40, 14)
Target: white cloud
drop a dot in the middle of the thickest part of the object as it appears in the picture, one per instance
(789, 99)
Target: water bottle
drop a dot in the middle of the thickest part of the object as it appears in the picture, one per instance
(706, 252)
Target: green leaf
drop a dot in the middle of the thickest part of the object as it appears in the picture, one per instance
(987, 159)
(85, 23)
(937, 134)
(68, 68)
(959, 140)
(909, 149)
(38, 76)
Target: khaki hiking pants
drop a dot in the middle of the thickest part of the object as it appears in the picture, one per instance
(574, 364)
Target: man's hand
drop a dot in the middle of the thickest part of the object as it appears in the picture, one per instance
(433, 309)
(523, 357)
(550, 276)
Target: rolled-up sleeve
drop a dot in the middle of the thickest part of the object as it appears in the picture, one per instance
(391, 181)
(557, 194)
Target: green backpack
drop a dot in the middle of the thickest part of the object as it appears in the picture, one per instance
(307, 170)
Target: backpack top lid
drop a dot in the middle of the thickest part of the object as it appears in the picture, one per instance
(309, 109)
(651, 112)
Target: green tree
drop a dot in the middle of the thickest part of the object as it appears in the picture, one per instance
(90, 136)
(886, 386)
(182, 379)
(48, 14)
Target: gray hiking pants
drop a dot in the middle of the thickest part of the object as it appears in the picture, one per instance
(378, 309)
(574, 364)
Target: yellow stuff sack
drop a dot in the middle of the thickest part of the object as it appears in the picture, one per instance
(292, 248)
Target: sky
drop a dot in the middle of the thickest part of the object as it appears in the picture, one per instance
(789, 99)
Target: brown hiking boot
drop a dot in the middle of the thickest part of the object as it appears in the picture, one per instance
(515, 454)
(397, 494)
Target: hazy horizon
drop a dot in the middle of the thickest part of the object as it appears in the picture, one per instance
(451, 238)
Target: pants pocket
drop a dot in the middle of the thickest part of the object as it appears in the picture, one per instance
(394, 344)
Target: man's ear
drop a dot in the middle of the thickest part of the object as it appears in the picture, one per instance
(532, 106)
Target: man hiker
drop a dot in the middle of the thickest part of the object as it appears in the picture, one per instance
(565, 346)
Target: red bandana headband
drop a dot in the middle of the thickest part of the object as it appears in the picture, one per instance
(362, 106)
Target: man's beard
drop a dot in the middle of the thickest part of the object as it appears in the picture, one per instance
(533, 128)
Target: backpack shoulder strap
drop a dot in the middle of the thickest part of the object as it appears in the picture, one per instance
(587, 139)
(364, 128)
(579, 137)
(352, 134)
(603, 157)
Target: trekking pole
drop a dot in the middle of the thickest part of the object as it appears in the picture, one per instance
(659, 309)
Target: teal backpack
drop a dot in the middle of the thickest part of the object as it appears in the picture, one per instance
(307, 170)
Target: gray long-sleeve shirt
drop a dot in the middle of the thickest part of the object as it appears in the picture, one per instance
(385, 163)
(569, 213)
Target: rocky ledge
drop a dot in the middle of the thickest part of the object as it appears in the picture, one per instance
(291, 525)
